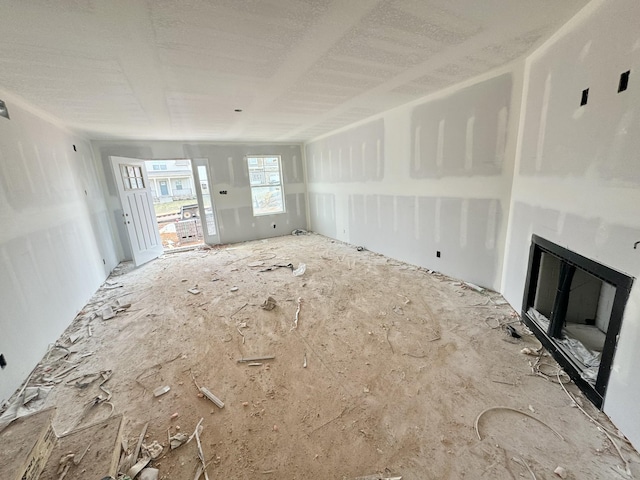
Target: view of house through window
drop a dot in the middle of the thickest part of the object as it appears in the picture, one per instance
(265, 177)
(173, 191)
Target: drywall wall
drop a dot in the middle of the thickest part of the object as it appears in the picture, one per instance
(432, 176)
(56, 245)
(229, 173)
(577, 178)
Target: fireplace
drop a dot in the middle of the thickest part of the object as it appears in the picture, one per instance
(574, 306)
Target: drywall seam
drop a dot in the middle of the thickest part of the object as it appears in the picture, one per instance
(103, 184)
(583, 15)
(514, 174)
(18, 101)
(443, 93)
(303, 156)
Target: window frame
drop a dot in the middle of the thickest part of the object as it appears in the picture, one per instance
(257, 167)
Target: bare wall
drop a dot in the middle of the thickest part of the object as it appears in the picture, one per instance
(432, 176)
(577, 180)
(56, 243)
(229, 172)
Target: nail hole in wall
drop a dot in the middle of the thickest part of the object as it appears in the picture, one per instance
(74, 148)
(438, 253)
(104, 262)
(624, 81)
(3, 362)
(585, 96)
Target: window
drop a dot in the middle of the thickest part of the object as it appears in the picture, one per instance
(265, 178)
(159, 166)
(132, 177)
(178, 184)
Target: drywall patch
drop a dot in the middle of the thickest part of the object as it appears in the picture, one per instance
(460, 134)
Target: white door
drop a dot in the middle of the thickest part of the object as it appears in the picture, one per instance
(205, 201)
(138, 214)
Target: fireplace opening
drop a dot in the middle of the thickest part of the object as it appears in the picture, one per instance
(574, 306)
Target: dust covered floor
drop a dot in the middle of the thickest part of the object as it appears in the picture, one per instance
(399, 363)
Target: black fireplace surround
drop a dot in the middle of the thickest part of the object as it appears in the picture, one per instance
(574, 306)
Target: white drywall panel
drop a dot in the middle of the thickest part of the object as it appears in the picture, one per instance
(56, 243)
(577, 180)
(433, 176)
(229, 173)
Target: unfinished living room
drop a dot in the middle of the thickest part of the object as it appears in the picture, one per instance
(301, 239)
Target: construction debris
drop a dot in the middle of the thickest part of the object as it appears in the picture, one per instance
(275, 267)
(475, 425)
(473, 287)
(298, 272)
(26, 445)
(18, 407)
(107, 312)
(295, 323)
(83, 381)
(212, 397)
(201, 455)
(127, 463)
(513, 332)
(529, 351)
(161, 390)
(269, 304)
(177, 440)
(207, 393)
(304, 363)
(255, 359)
(194, 290)
(138, 467)
(561, 472)
(154, 449)
(149, 474)
(377, 477)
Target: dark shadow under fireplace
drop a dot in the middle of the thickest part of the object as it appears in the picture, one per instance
(574, 306)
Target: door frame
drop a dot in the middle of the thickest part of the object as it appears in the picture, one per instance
(144, 238)
(208, 238)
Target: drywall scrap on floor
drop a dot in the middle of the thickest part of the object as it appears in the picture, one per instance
(577, 178)
(428, 183)
(56, 245)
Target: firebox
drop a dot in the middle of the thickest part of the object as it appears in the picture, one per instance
(574, 306)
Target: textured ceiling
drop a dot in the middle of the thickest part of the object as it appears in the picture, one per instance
(162, 69)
